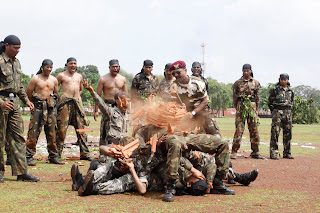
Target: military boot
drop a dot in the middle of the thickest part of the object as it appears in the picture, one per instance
(88, 188)
(219, 187)
(246, 178)
(170, 191)
(77, 178)
(288, 156)
(27, 177)
(31, 162)
(8, 161)
(56, 160)
(95, 164)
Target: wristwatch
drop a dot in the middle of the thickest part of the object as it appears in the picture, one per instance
(193, 113)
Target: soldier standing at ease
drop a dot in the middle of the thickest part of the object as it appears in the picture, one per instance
(144, 84)
(246, 102)
(280, 102)
(11, 121)
(45, 88)
(70, 109)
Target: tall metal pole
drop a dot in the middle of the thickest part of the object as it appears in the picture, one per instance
(203, 63)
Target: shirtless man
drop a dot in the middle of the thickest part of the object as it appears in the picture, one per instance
(70, 109)
(109, 84)
(45, 88)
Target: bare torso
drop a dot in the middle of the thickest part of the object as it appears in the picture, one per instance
(110, 85)
(70, 83)
(43, 86)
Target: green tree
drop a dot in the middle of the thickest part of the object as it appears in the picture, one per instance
(304, 111)
(128, 77)
(220, 94)
(25, 82)
(307, 92)
(264, 95)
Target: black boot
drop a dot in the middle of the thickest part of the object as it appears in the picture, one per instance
(30, 162)
(56, 161)
(88, 188)
(88, 158)
(1, 179)
(95, 164)
(219, 187)
(170, 191)
(77, 178)
(27, 177)
(8, 161)
(246, 178)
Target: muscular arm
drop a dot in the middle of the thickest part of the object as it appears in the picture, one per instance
(202, 105)
(141, 187)
(124, 88)
(31, 87)
(56, 88)
(80, 89)
(59, 78)
(99, 92)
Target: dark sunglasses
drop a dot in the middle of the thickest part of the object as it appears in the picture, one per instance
(176, 73)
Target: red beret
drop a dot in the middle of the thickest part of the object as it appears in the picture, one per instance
(177, 65)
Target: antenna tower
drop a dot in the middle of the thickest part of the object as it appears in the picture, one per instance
(203, 46)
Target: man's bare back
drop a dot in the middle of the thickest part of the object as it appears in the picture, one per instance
(71, 84)
(110, 85)
(43, 86)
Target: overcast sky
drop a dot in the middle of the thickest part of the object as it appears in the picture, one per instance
(274, 36)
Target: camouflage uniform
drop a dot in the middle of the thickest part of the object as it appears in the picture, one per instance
(175, 145)
(246, 88)
(280, 102)
(106, 185)
(114, 124)
(142, 86)
(211, 144)
(71, 111)
(191, 95)
(164, 90)
(11, 122)
(43, 114)
(205, 81)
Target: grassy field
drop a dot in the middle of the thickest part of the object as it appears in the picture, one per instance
(53, 193)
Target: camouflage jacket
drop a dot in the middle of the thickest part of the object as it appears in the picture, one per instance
(116, 123)
(11, 78)
(279, 98)
(242, 88)
(205, 81)
(191, 93)
(142, 86)
(164, 90)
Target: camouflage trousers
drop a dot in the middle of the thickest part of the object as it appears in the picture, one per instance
(281, 118)
(211, 144)
(69, 114)
(35, 127)
(103, 132)
(253, 130)
(11, 132)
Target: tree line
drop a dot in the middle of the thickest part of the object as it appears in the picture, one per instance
(305, 110)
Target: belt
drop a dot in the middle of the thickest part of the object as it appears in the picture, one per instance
(282, 107)
(6, 94)
(251, 99)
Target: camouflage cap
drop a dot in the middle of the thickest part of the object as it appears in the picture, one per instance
(284, 76)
